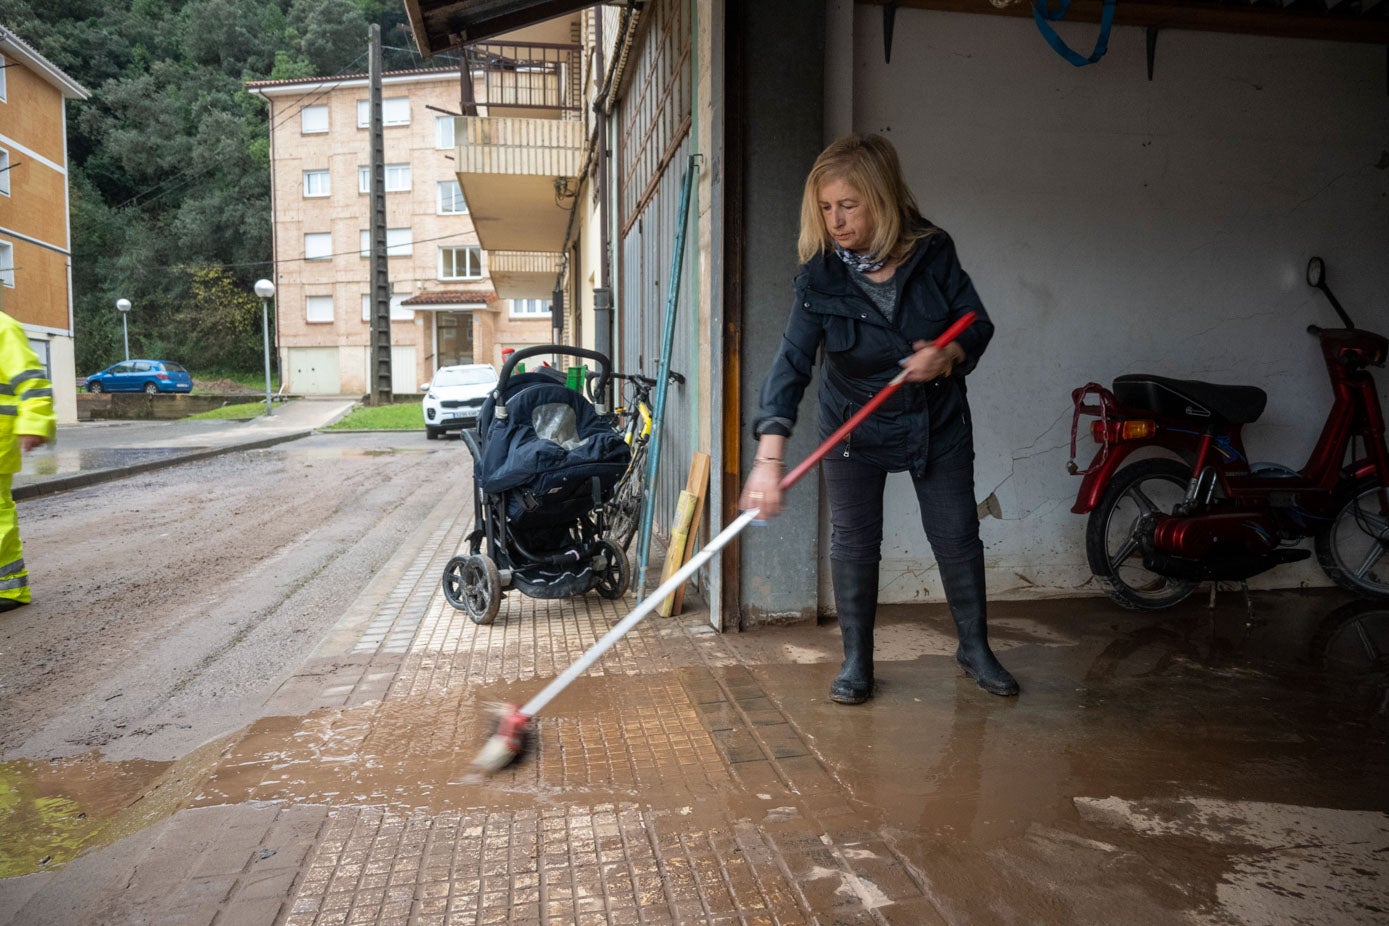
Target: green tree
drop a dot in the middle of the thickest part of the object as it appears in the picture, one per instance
(168, 159)
(334, 32)
(223, 319)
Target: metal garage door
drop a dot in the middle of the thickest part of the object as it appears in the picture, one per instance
(404, 377)
(653, 147)
(313, 371)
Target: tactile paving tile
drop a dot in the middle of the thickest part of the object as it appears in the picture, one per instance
(398, 617)
(558, 866)
(538, 638)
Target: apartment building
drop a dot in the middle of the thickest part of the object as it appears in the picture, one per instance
(444, 307)
(35, 238)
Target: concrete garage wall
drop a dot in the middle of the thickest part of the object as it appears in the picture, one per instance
(1115, 225)
(782, 128)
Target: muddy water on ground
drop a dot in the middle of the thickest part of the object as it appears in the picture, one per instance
(1199, 766)
(610, 738)
(63, 462)
(50, 812)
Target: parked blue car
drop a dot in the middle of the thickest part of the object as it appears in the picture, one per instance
(149, 376)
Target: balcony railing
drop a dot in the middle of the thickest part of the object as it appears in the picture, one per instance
(538, 76)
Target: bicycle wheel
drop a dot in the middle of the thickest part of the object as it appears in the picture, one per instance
(623, 511)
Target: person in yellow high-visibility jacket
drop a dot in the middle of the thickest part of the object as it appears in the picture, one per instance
(26, 422)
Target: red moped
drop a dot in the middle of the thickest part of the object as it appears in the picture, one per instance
(1159, 526)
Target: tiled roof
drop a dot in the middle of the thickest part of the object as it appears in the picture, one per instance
(342, 78)
(12, 45)
(452, 297)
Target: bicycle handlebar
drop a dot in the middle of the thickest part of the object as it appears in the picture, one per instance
(647, 381)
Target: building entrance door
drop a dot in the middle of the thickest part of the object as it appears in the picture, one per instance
(454, 331)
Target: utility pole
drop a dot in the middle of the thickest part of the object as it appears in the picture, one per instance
(379, 382)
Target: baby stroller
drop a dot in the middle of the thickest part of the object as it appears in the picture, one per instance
(545, 462)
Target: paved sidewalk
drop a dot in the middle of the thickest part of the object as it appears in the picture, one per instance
(90, 452)
(1189, 767)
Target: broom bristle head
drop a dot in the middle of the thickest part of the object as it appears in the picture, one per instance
(504, 746)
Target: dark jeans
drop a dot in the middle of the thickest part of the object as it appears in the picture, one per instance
(945, 494)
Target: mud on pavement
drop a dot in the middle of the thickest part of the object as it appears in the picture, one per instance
(1194, 767)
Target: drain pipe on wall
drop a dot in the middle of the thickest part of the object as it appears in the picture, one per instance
(653, 459)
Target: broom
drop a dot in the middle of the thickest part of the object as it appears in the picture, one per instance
(513, 721)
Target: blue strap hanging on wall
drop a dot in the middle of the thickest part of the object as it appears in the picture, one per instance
(1044, 17)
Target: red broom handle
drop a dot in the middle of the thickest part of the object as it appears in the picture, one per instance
(805, 465)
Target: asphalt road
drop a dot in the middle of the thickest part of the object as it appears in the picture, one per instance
(170, 604)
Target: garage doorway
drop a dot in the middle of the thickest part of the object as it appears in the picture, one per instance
(314, 371)
(453, 334)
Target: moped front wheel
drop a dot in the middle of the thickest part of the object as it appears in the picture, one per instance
(1354, 549)
(1113, 535)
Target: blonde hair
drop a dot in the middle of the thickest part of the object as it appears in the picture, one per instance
(869, 164)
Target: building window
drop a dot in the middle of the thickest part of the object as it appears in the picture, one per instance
(6, 263)
(316, 183)
(4, 172)
(318, 246)
(395, 111)
(313, 120)
(3, 91)
(399, 242)
(460, 263)
(443, 132)
(398, 312)
(318, 308)
(41, 350)
(530, 308)
(397, 178)
(451, 198)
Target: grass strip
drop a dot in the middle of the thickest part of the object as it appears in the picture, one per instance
(403, 417)
(241, 410)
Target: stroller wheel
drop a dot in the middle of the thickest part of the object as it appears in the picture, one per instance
(472, 584)
(614, 576)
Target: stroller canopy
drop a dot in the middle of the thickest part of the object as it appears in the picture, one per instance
(551, 439)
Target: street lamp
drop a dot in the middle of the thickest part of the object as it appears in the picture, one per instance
(265, 289)
(123, 306)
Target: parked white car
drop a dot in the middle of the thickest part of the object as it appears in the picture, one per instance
(454, 397)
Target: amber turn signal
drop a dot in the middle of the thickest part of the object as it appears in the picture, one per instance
(1130, 429)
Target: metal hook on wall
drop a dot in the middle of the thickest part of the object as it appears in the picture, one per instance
(889, 18)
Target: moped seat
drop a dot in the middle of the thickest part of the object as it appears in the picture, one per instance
(1191, 398)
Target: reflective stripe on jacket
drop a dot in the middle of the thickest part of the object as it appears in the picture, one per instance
(26, 395)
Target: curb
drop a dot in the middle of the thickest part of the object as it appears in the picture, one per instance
(83, 480)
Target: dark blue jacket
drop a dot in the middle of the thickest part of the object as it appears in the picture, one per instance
(921, 422)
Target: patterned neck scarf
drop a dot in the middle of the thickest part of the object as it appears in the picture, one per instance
(863, 263)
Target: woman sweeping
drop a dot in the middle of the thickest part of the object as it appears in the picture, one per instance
(877, 284)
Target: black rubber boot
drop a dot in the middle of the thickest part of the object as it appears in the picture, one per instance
(964, 590)
(856, 597)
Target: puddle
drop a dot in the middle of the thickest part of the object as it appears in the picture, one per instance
(50, 812)
(607, 737)
(62, 462)
(54, 810)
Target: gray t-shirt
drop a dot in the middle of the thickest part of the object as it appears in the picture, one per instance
(884, 294)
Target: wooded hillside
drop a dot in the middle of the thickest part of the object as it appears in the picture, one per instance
(170, 175)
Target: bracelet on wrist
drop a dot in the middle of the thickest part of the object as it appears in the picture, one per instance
(776, 460)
